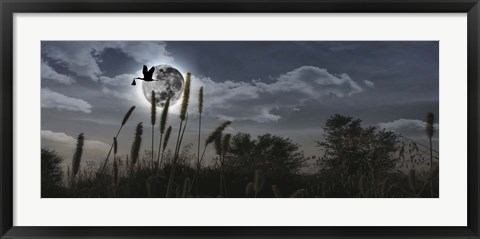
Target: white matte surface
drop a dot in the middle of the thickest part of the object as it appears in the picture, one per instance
(449, 210)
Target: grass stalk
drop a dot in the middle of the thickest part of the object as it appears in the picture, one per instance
(216, 133)
(134, 153)
(124, 121)
(163, 122)
(77, 157)
(200, 110)
(183, 115)
(430, 130)
(165, 142)
(153, 119)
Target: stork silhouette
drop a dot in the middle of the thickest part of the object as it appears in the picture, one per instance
(147, 75)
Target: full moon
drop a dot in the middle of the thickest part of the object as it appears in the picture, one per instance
(168, 83)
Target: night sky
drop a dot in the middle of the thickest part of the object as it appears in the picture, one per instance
(283, 88)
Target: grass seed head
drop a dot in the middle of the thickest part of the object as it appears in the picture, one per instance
(186, 96)
(429, 124)
(218, 145)
(136, 144)
(77, 156)
(217, 132)
(115, 145)
(167, 137)
(163, 120)
(153, 108)
(200, 100)
(127, 115)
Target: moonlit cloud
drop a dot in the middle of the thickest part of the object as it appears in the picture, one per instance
(256, 100)
(408, 127)
(57, 137)
(120, 80)
(55, 100)
(118, 86)
(49, 73)
(64, 144)
(78, 57)
(313, 82)
(149, 53)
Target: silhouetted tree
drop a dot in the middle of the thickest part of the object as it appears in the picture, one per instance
(51, 174)
(351, 148)
(279, 158)
(352, 152)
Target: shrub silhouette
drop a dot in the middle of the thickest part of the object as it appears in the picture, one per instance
(354, 154)
(353, 149)
(276, 156)
(52, 178)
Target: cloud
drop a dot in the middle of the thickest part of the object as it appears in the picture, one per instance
(50, 74)
(82, 57)
(369, 84)
(78, 57)
(64, 144)
(119, 86)
(344, 47)
(313, 82)
(119, 80)
(411, 128)
(151, 53)
(257, 100)
(55, 100)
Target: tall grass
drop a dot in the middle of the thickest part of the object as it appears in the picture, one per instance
(124, 121)
(429, 130)
(212, 137)
(115, 172)
(153, 119)
(137, 142)
(115, 165)
(200, 110)
(163, 123)
(165, 142)
(218, 148)
(183, 117)
(249, 189)
(77, 157)
(276, 191)
(132, 176)
(225, 146)
(258, 181)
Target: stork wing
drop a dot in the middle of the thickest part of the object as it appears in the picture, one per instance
(145, 70)
(150, 72)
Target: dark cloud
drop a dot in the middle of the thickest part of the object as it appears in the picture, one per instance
(48, 73)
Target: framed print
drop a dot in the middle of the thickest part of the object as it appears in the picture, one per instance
(261, 119)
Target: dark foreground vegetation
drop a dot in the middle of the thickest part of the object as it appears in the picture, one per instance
(353, 161)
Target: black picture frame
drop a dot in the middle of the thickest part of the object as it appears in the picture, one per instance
(9, 7)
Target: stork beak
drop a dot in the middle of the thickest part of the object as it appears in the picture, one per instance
(133, 82)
